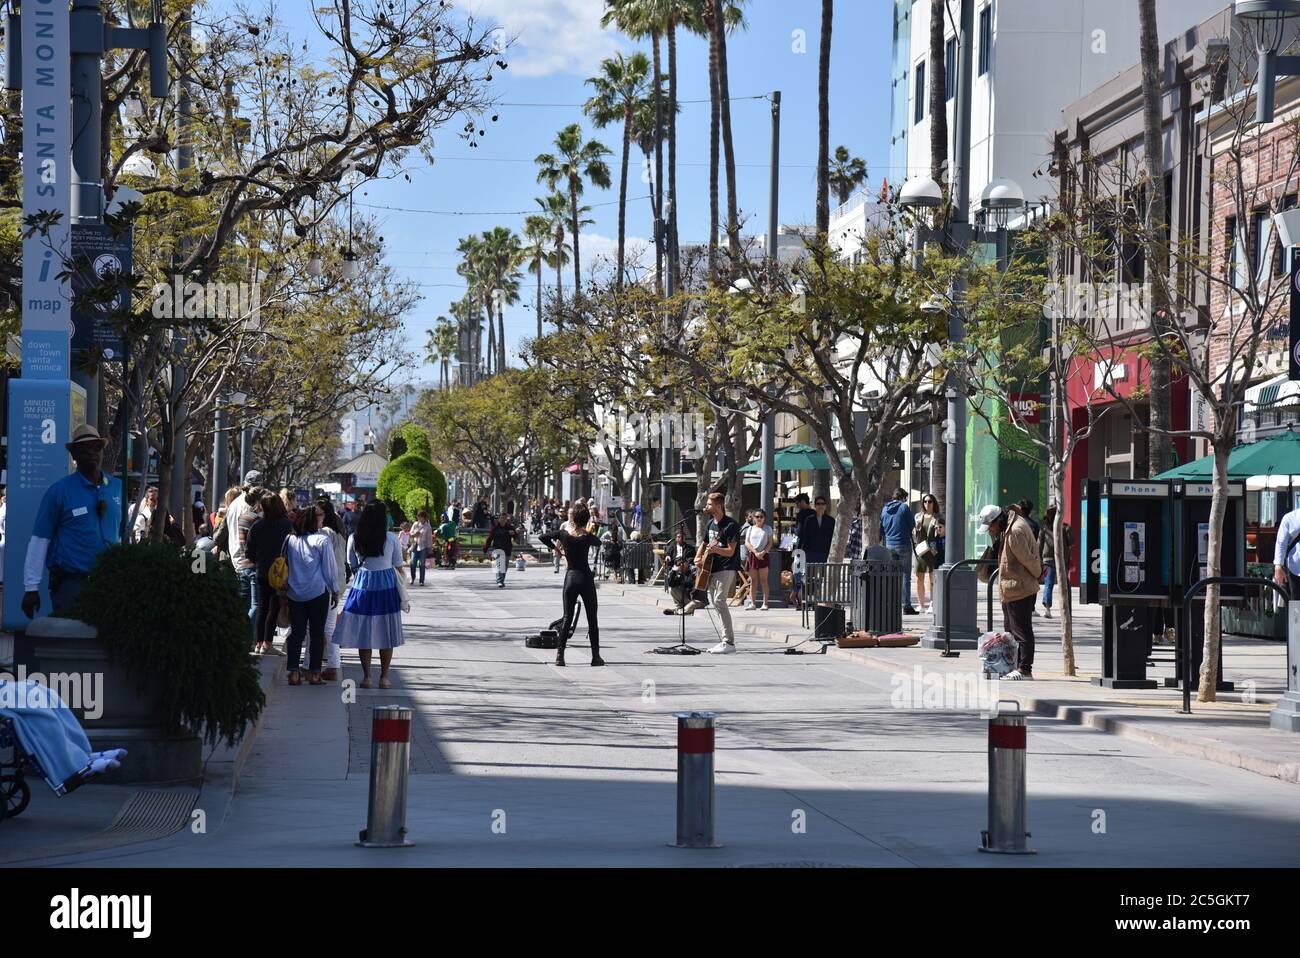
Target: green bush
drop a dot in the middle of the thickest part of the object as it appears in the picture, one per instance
(406, 474)
(163, 611)
(418, 499)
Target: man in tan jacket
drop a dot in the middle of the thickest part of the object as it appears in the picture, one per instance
(1019, 572)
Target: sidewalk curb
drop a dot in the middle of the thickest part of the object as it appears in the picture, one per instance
(1084, 716)
(222, 769)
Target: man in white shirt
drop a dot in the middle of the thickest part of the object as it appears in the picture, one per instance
(1286, 554)
(144, 515)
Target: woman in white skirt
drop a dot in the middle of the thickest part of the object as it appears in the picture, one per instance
(329, 522)
(372, 615)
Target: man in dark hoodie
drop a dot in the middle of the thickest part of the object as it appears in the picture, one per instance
(896, 524)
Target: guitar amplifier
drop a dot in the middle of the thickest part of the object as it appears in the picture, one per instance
(828, 622)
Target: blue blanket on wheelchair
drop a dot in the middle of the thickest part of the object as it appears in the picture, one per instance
(46, 728)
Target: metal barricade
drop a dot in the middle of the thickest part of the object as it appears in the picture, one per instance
(827, 583)
(638, 561)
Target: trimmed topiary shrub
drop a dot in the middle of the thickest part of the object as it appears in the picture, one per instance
(418, 499)
(406, 474)
(164, 611)
(417, 440)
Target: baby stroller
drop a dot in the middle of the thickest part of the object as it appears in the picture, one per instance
(41, 736)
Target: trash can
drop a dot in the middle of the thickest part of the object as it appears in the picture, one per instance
(878, 602)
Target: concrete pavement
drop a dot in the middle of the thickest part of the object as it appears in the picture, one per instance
(517, 762)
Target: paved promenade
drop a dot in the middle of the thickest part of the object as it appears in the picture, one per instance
(516, 762)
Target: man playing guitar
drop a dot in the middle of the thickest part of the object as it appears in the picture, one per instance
(717, 575)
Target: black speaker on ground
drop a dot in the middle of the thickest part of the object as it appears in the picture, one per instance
(828, 622)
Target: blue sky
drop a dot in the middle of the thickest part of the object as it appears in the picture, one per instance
(558, 45)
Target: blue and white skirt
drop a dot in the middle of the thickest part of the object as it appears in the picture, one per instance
(372, 613)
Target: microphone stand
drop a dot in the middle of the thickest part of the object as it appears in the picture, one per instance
(682, 647)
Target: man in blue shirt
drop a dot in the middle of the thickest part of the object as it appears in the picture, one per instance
(78, 519)
(896, 525)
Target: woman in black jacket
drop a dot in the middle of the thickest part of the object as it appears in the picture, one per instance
(578, 581)
(262, 547)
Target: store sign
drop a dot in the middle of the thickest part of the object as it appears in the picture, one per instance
(1294, 372)
(1026, 407)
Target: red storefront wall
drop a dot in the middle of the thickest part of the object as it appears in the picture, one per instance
(1083, 391)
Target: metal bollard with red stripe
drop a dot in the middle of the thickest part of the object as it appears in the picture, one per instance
(390, 761)
(695, 779)
(1006, 832)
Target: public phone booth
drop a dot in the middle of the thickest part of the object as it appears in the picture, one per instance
(1191, 556)
(1128, 567)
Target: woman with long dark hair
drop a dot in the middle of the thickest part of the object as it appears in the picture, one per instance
(372, 615)
(262, 547)
(578, 580)
(329, 522)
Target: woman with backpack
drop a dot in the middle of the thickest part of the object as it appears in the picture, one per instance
(262, 547)
(372, 613)
(311, 588)
(500, 544)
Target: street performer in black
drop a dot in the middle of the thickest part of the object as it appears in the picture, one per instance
(578, 580)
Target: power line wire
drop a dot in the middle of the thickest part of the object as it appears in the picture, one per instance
(537, 210)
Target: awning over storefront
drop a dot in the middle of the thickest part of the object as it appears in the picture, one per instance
(688, 479)
(1279, 391)
(1276, 456)
(795, 458)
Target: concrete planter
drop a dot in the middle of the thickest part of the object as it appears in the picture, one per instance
(128, 716)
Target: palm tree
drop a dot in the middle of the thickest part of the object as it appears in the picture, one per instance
(846, 173)
(620, 91)
(500, 254)
(824, 122)
(471, 268)
(724, 16)
(537, 254)
(469, 330)
(573, 163)
(555, 210)
(444, 342)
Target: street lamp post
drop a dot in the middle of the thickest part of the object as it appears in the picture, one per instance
(999, 200)
(1270, 16)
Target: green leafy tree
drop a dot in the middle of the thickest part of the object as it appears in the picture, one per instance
(847, 173)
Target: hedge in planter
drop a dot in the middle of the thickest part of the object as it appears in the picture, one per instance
(164, 611)
(406, 474)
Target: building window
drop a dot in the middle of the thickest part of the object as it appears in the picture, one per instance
(1234, 256)
(918, 109)
(950, 69)
(1261, 233)
(986, 38)
(1282, 257)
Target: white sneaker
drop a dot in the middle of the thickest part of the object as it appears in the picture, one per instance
(723, 648)
(1017, 676)
(690, 607)
(764, 606)
(1047, 612)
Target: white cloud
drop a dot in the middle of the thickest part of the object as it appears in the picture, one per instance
(551, 36)
(602, 252)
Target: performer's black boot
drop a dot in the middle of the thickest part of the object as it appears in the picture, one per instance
(595, 650)
(559, 649)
